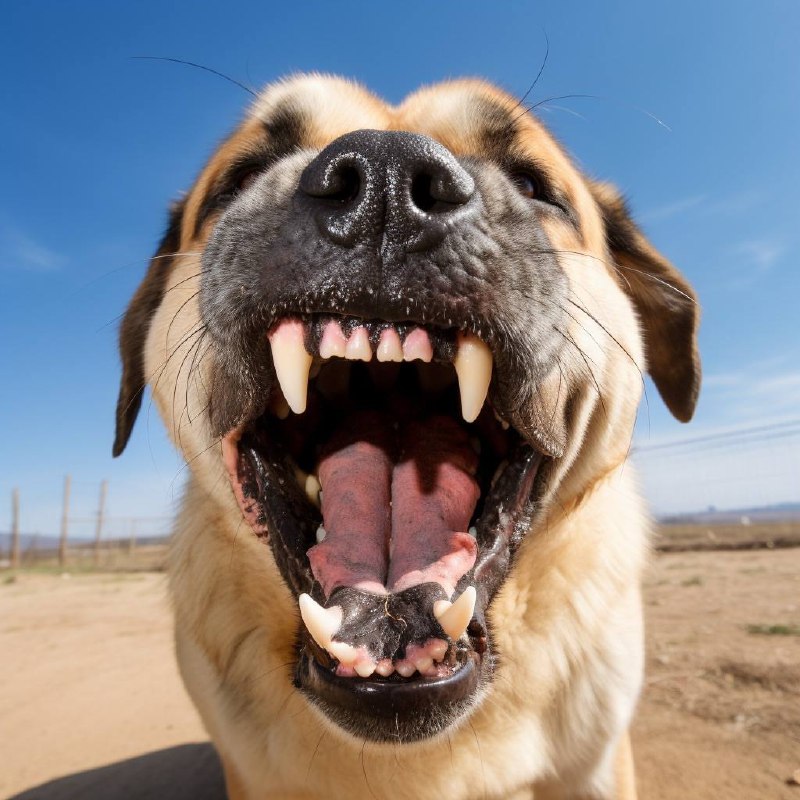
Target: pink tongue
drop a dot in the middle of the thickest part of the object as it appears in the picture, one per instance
(378, 546)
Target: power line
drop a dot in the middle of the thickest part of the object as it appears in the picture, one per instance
(787, 428)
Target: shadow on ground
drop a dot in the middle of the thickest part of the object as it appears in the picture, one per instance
(186, 772)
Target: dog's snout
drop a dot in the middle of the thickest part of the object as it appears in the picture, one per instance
(402, 188)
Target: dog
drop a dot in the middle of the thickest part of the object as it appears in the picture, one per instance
(401, 349)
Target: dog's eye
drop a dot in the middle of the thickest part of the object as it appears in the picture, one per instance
(527, 185)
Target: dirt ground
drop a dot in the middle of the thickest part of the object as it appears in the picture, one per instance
(91, 705)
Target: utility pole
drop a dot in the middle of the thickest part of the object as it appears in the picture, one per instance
(101, 513)
(15, 529)
(62, 546)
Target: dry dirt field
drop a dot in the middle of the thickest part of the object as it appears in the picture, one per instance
(91, 705)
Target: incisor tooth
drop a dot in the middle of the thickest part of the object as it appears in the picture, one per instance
(405, 669)
(292, 363)
(473, 365)
(365, 667)
(437, 650)
(385, 667)
(423, 663)
(320, 622)
(358, 348)
(455, 617)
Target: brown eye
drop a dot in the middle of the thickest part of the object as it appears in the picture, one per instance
(527, 185)
(247, 180)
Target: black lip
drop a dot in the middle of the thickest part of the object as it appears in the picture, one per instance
(391, 711)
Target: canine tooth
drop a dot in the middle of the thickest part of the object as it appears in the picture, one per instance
(389, 347)
(292, 363)
(365, 667)
(320, 622)
(473, 365)
(417, 346)
(455, 617)
(358, 348)
(346, 653)
(279, 406)
(473, 532)
(321, 534)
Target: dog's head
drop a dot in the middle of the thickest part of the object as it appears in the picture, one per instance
(402, 336)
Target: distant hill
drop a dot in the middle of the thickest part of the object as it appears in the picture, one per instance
(780, 512)
(48, 542)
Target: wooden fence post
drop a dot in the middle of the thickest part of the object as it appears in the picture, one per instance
(15, 529)
(101, 513)
(62, 545)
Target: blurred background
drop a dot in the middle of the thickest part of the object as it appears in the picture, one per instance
(690, 111)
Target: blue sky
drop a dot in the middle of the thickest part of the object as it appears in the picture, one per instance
(93, 144)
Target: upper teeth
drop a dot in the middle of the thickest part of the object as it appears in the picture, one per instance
(473, 360)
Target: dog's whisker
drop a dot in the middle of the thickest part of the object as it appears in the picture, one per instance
(565, 109)
(364, 770)
(189, 353)
(202, 67)
(584, 96)
(542, 66)
(216, 443)
(589, 370)
(314, 755)
(480, 756)
(136, 263)
(610, 335)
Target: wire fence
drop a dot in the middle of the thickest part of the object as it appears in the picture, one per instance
(96, 541)
(726, 489)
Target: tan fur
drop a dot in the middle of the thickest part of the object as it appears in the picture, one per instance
(568, 619)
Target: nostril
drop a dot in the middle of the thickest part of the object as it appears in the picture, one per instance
(338, 184)
(424, 196)
(421, 195)
(344, 185)
(440, 192)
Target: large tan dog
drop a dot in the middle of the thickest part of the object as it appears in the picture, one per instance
(401, 349)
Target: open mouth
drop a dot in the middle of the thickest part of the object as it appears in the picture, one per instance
(393, 495)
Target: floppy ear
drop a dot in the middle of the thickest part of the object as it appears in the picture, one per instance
(136, 324)
(665, 302)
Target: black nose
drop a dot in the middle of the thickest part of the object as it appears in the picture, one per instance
(401, 189)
